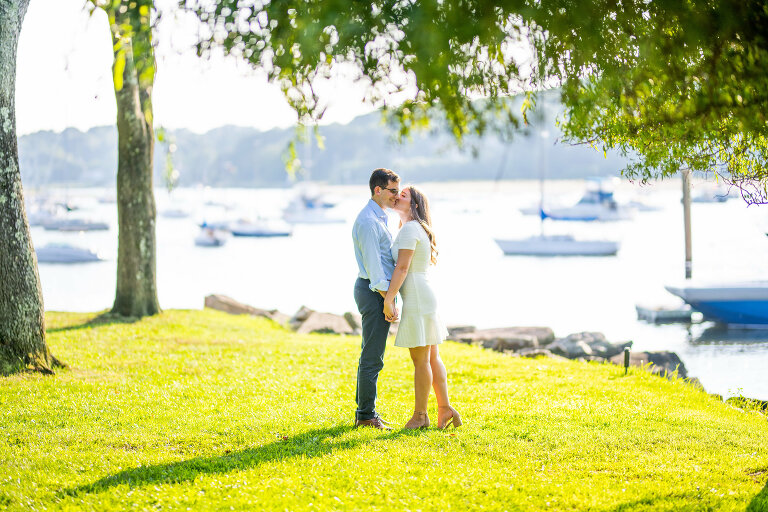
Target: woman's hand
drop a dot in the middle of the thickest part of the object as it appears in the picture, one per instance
(390, 311)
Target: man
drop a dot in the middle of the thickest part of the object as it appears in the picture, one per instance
(372, 241)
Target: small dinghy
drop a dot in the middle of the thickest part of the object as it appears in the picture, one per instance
(209, 237)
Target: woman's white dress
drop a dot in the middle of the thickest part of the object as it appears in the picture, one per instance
(419, 323)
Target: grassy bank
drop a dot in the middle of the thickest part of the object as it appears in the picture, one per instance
(195, 410)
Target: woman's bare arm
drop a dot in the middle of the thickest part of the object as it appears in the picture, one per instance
(404, 257)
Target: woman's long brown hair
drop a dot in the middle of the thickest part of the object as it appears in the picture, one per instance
(420, 213)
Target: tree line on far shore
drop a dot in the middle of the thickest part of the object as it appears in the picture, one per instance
(233, 156)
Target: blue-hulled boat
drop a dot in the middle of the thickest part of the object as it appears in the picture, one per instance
(744, 304)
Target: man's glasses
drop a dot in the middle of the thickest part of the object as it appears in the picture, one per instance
(393, 190)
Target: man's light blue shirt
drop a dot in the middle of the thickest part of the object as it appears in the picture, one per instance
(373, 243)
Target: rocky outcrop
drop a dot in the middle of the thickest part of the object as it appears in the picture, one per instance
(537, 352)
(582, 346)
(661, 363)
(750, 404)
(586, 345)
(355, 321)
(305, 320)
(324, 323)
(299, 317)
(233, 307)
(516, 341)
(503, 339)
(453, 330)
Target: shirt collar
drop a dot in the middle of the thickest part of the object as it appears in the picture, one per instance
(377, 210)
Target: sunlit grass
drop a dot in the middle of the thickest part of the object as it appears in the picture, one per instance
(207, 411)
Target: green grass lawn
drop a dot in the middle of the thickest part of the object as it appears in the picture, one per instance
(194, 410)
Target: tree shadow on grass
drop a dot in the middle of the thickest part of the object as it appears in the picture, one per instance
(100, 320)
(314, 443)
(760, 502)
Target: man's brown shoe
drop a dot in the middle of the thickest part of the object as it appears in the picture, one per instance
(373, 422)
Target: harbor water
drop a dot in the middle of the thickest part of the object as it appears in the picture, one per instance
(475, 282)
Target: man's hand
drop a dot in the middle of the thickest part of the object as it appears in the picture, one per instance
(390, 312)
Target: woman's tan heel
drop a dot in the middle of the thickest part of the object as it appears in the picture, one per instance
(454, 419)
(419, 420)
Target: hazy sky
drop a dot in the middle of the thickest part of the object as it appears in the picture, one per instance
(64, 79)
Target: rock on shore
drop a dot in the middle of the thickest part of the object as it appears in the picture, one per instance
(505, 338)
(586, 345)
(660, 362)
(304, 321)
(231, 306)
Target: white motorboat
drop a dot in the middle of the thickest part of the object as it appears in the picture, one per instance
(175, 213)
(302, 211)
(65, 253)
(74, 224)
(736, 303)
(642, 206)
(311, 216)
(314, 200)
(594, 205)
(41, 216)
(311, 206)
(209, 237)
(557, 245)
(219, 225)
(597, 204)
(709, 193)
(261, 228)
(43, 210)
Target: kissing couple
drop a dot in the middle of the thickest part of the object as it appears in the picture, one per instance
(384, 269)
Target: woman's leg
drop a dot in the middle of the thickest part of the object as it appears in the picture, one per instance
(422, 381)
(422, 377)
(439, 377)
(446, 414)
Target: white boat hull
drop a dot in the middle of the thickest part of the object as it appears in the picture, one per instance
(62, 253)
(558, 246)
(175, 214)
(311, 216)
(589, 212)
(210, 239)
(75, 225)
(259, 229)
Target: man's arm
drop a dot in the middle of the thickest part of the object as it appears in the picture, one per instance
(368, 238)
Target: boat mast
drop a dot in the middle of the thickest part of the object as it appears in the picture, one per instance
(687, 221)
(544, 134)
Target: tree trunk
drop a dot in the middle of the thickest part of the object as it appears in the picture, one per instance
(136, 293)
(22, 322)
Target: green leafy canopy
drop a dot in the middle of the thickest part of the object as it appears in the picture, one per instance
(416, 58)
(674, 85)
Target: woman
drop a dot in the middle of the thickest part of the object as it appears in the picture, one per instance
(420, 328)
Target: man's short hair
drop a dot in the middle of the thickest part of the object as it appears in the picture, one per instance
(381, 177)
